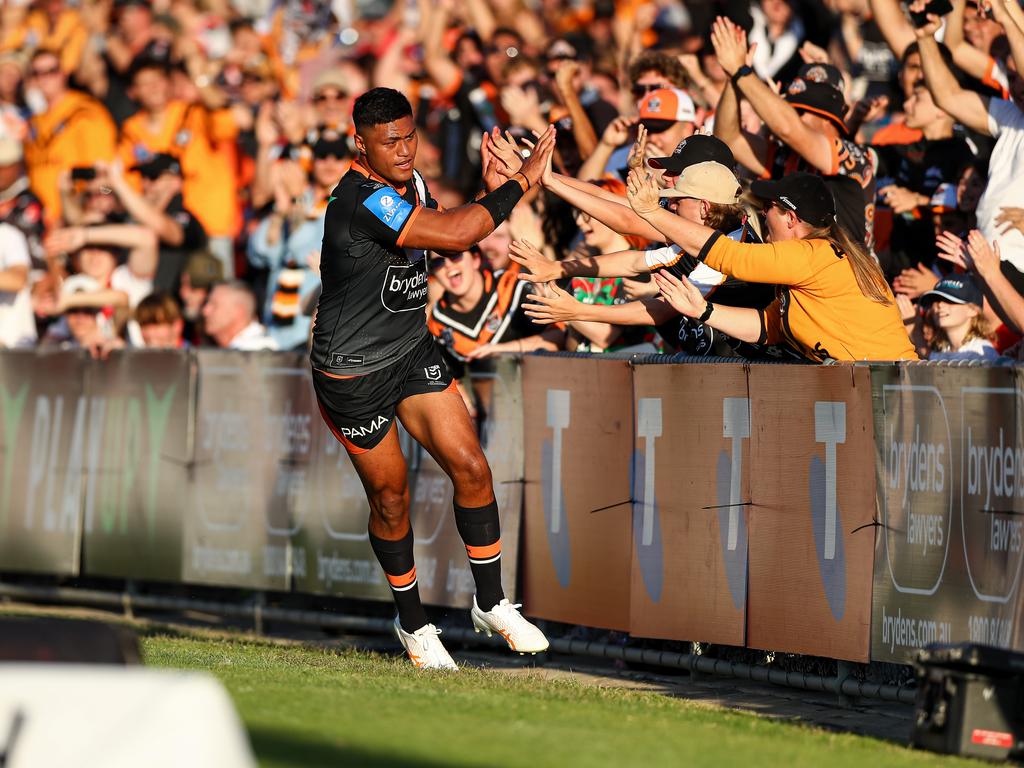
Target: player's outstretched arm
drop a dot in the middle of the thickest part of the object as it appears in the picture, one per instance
(463, 227)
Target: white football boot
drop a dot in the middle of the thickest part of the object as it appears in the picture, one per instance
(424, 647)
(505, 619)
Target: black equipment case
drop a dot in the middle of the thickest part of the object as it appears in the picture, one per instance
(970, 701)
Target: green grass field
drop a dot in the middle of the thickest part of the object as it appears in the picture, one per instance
(306, 706)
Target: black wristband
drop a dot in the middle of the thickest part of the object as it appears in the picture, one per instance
(501, 201)
(707, 312)
(743, 71)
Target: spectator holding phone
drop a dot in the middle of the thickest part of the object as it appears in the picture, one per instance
(161, 209)
(287, 242)
(69, 129)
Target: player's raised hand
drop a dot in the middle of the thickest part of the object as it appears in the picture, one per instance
(684, 296)
(490, 166)
(557, 306)
(506, 150)
(642, 192)
(533, 167)
(538, 267)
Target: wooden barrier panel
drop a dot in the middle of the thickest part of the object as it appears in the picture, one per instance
(813, 504)
(578, 438)
(691, 478)
(43, 460)
(138, 464)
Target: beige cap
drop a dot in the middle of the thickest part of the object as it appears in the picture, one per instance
(709, 181)
(11, 150)
(331, 78)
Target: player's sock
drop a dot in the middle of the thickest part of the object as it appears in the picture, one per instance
(396, 558)
(480, 530)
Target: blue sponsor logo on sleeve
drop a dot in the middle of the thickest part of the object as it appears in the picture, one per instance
(389, 207)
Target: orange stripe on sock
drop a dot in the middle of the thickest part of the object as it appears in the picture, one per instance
(404, 580)
(482, 553)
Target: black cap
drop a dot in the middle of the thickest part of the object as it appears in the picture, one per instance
(821, 73)
(158, 165)
(818, 89)
(955, 289)
(803, 193)
(561, 49)
(328, 143)
(692, 150)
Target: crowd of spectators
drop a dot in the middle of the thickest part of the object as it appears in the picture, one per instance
(165, 168)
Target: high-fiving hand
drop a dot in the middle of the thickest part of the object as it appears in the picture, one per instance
(684, 296)
(534, 166)
(538, 268)
(557, 306)
(642, 192)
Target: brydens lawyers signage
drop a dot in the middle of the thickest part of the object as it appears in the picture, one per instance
(950, 548)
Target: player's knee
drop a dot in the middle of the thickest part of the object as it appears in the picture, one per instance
(391, 505)
(471, 472)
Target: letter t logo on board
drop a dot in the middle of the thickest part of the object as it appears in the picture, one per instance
(830, 429)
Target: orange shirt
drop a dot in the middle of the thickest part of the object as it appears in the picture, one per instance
(67, 36)
(820, 311)
(76, 131)
(896, 133)
(210, 182)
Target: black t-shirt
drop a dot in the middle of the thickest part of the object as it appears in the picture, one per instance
(855, 213)
(920, 167)
(370, 312)
(875, 61)
(174, 257)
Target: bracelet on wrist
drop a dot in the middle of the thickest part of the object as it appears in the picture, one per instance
(742, 72)
(707, 312)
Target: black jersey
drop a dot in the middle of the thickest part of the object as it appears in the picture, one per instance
(371, 310)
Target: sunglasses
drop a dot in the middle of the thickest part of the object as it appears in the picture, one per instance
(330, 155)
(322, 97)
(642, 89)
(437, 262)
(44, 72)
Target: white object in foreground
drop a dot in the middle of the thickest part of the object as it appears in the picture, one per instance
(117, 717)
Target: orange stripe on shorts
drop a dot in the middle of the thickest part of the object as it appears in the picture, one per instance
(483, 553)
(404, 580)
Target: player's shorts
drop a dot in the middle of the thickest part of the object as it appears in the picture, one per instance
(360, 409)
